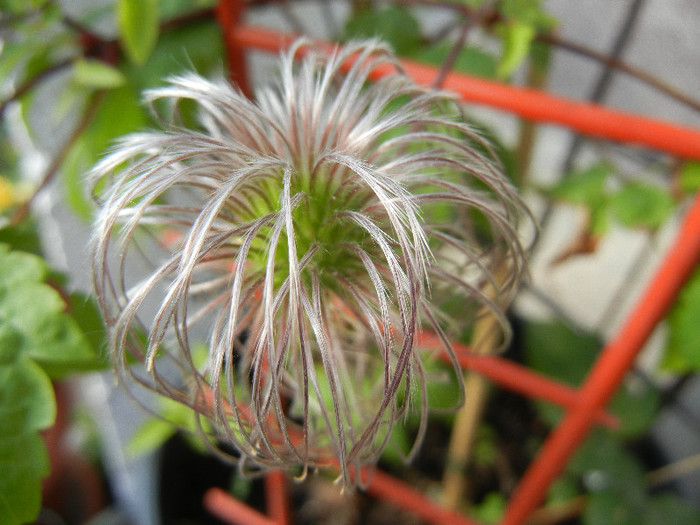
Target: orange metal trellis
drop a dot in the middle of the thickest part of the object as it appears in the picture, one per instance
(584, 406)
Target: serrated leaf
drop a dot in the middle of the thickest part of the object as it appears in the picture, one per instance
(640, 205)
(26, 391)
(683, 350)
(138, 28)
(96, 74)
(35, 314)
(61, 347)
(517, 38)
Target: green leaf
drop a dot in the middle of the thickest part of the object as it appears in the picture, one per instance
(491, 509)
(682, 351)
(517, 38)
(471, 60)
(585, 188)
(17, 268)
(88, 318)
(669, 508)
(607, 508)
(690, 177)
(138, 28)
(119, 113)
(24, 461)
(19, 6)
(617, 491)
(555, 350)
(61, 347)
(36, 318)
(150, 436)
(196, 46)
(27, 405)
(96, 74)
(640, 205)
(636, 405)
(540, 56)
(155, 432)
(11, 342)
(527, 12)
(564, 488)
(37, 339)
(22, 237)
(395, 24)
(25, 389)
(607, 467)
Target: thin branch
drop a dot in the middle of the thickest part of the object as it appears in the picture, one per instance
(674, 470)
(615, 63)
(33, 81)
(639, 74)
(473, 21)
(485, 341)
(53, 168)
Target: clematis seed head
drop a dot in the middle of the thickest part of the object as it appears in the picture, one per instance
(270, 263)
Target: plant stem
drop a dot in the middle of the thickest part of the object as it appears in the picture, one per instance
(53, 168)
(486, 339)
(474, 20)
(537, 75)
(674, 470)
(33, 81)
(551, 514)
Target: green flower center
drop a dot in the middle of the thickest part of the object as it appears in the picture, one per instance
(320, 227)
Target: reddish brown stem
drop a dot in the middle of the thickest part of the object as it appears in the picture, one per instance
(53, 168)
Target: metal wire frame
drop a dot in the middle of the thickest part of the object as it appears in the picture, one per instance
(585, 405)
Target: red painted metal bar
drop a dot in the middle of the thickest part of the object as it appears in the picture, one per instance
(276, 497)
(587, 118)
(610, 368)
(229, 14)
(229, 510)
(515, 377)
(388, 488)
